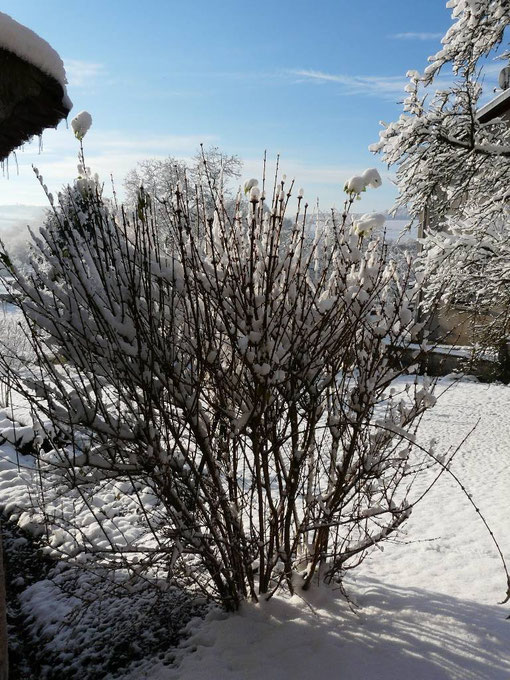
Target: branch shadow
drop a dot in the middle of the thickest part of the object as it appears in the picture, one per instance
(415, 634)
(398, 634)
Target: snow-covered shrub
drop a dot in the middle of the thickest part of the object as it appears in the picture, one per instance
(219, 414)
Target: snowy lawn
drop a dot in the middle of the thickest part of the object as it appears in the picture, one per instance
(427, 604)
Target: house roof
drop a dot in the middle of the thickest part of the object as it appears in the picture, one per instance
(30, 101)
(497, 107)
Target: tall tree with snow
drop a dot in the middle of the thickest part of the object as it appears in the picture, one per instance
(159, 177)
(453, 165)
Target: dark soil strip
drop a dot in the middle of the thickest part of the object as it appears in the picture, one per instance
(24, 564)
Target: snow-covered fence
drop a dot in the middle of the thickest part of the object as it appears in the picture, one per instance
(235, 386)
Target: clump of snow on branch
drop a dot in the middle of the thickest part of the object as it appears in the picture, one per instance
(359, 183)
(365, 224)
(81, 124)
(372, 178)
(249, 185)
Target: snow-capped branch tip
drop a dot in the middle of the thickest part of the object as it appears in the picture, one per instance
(249, 185)
(254, 194)
(359, 183)
(81, 124)
(365, 224)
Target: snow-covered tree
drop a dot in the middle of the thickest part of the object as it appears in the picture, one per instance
(445, 158)
(453, 170)
(158, 177)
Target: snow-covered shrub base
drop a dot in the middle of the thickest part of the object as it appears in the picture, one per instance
(70, 623)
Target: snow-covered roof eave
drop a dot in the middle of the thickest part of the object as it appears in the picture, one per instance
(26, 44)
(496, 107)
(33, 93)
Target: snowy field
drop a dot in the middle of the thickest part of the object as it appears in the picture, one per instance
(424, 608)
(426, 605)
(396, 230)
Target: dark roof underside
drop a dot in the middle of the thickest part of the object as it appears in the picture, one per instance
(30, 101)
(497, 107)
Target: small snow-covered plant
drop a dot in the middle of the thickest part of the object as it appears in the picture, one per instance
(15, 348)
(223, 413)
(81, 124)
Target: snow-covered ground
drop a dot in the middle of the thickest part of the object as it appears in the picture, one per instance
(426, 606)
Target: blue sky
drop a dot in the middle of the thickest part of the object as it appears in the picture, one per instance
(308, 80)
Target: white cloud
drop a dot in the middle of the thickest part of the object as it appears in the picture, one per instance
(389, 87)
(386, 86)
(83, 73)
(166, 144)
(416, 36)
(304, 173)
